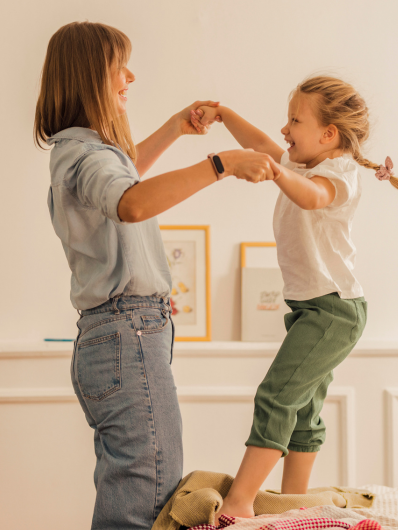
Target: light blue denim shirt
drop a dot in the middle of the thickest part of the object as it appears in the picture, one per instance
(107, 256)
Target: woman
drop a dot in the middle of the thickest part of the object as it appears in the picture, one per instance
(105, 218)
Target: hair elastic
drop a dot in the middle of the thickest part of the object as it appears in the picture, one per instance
(385, 172)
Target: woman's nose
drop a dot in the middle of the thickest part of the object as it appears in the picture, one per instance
(130, 77)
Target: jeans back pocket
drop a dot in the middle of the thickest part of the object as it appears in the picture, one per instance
(98, 366)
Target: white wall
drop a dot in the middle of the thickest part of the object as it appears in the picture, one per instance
(248, 54)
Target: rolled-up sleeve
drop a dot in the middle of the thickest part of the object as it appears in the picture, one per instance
(101, 181)
(343, 182)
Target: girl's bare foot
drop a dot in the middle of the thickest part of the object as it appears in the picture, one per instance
(254, 469)
(234, 509)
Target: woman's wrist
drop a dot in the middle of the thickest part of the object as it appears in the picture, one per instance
(226, 158)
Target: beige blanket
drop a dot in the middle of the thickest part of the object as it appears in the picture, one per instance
(200, 494)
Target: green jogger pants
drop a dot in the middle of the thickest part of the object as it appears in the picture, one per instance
(320, 334)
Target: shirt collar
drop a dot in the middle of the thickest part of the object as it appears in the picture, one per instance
(76, 133)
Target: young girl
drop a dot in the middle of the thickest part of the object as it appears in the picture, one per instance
(320, 188)
(105, 218)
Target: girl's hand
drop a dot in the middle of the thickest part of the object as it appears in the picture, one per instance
(184, 124)
(205, 116)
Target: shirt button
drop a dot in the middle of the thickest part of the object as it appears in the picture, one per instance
(139, 333)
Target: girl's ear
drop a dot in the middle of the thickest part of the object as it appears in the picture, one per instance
(329, 134)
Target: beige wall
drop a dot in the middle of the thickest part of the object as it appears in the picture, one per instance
(248, 54)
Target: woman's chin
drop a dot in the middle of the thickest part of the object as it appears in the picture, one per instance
(121, 109)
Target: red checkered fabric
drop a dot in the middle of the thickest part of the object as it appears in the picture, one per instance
(226, 520)
(367, 524)
(316, 523)
(305, 524)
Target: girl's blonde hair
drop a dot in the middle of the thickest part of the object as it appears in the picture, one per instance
(338, 103)
(76, 84)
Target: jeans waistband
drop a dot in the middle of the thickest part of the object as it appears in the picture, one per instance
(123, 302)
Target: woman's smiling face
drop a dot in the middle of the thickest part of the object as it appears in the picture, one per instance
(303, 131)
(121, 77)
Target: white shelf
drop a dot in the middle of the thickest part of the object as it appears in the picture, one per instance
(14, 349)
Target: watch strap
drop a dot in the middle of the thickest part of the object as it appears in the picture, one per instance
(217, 164)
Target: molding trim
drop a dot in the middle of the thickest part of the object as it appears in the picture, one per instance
(37, 395)
(195, 394)
(11, 355)
(343, 396)
(392, 436)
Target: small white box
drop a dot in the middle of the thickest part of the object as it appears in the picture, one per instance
(263, 305)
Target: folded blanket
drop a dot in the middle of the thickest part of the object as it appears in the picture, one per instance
(316, 518)
(345, 498)
(200, 494)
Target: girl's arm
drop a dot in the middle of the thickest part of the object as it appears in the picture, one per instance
(149, 150)
(308, 193)
(244, 132)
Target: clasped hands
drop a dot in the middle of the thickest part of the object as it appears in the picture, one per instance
(246, 164)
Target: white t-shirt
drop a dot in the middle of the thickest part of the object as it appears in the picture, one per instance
(315, 251)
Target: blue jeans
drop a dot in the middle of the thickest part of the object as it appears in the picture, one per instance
(122, 377)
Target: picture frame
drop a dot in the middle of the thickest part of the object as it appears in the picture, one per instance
(263, 305)
(188, 254)
(244, 246)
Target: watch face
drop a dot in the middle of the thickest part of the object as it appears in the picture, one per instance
(218, 164)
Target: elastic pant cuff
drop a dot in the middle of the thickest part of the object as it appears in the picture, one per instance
(267, 443)
(304, 448)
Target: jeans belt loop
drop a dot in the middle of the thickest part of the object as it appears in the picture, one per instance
(166, 302)
(115, 308)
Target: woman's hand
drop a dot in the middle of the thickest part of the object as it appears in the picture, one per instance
(183, 118)
(250, 165)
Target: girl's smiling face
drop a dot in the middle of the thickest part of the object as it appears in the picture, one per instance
(121, 77)
(310, 142)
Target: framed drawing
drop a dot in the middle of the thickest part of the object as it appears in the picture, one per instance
(263, 305)
(188, 254)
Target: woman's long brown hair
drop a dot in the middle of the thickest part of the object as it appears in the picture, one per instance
(76, 84)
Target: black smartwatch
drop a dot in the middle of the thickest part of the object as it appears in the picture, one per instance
(217, 164)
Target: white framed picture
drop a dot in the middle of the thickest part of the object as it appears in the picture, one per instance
(188, 255)
(263, 305)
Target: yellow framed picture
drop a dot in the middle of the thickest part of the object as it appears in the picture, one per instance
(245, 246)
(188, 254)
(263, 305)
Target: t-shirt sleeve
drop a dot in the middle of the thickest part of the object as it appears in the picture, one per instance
(343, 179)
(101, 181)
